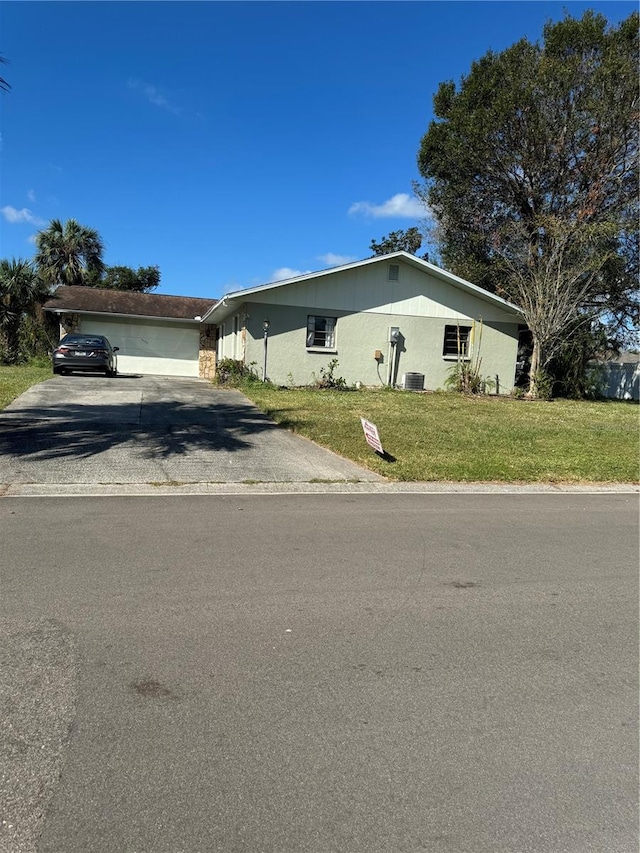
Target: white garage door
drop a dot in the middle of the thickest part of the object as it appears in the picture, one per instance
(164, 349)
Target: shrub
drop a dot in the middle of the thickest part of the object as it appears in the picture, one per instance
(230, 371)
(328, 379)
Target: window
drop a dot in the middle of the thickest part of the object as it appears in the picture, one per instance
(321, 332)
(456, 341)
(394, 272)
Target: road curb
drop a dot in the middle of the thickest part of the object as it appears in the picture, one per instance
(15, 490)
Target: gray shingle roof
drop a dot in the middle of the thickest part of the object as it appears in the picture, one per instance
(98, 301)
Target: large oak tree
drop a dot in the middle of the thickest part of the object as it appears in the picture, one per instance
(398, 241)
(142, 280)
(531, 173)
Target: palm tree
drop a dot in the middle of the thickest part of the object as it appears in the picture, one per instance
(4, 86)
(69, 254)
(21, 290)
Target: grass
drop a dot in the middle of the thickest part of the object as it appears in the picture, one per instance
(15, 380)
(448, 436)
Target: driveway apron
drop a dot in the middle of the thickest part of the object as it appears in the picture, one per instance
(151, 429)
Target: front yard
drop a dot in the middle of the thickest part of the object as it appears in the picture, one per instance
(446, 436)
(15, 380)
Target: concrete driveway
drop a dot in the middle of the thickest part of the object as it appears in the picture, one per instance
(153, 430)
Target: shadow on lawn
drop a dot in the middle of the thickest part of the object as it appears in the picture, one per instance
(160, 428)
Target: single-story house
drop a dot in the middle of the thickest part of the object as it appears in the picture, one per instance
(387, 320)
(156, 334)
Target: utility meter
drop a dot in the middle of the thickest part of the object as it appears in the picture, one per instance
(394, 335)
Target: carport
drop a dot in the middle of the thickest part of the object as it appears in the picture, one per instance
(156, 334)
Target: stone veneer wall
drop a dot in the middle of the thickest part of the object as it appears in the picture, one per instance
(207, 354)
(69, 323)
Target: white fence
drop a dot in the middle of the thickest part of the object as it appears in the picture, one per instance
(620, 380)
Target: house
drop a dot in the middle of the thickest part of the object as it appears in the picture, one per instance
(156, 334)
(387, 320)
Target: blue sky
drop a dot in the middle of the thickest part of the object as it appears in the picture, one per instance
(232, 143)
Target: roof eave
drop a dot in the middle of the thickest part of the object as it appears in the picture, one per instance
(128, 316)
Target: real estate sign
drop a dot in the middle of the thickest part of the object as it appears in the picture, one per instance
(371, 435)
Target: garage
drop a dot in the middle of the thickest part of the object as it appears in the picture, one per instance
(156, 335)
(148, 347)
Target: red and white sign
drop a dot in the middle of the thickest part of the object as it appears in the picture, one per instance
(371, 435)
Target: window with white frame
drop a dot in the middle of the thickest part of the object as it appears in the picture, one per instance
(321, 332)
(456, 341)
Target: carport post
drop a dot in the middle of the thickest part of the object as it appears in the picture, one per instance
(265, 327)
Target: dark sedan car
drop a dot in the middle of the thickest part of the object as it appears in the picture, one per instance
(85, 352)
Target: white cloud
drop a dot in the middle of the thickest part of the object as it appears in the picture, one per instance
(31, 195)
(14, 216)
(401, 205)
(333, 260)
(153, 95)
(286, 272)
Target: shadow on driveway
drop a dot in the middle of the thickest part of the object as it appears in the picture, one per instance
(162, 429)
(96, 430)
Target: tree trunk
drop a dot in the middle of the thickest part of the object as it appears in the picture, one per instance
(534, 369)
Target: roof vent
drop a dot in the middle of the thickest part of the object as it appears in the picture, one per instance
(394, 272)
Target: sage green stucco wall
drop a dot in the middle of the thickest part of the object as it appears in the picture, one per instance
(359, 335)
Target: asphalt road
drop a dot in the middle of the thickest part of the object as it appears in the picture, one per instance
(319, 673)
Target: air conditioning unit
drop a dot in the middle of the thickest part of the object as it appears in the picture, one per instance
(413, 381)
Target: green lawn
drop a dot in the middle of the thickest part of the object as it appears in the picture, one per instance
(15, 380)
(446, 436)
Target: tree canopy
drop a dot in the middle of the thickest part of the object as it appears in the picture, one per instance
(142, 280)
(398, 241)
(69, 253)
(531, 172)
(21, 290)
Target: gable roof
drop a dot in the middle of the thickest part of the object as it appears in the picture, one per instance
(94, 300)
(222, 307)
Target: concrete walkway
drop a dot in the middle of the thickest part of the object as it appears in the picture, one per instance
(89, 431)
